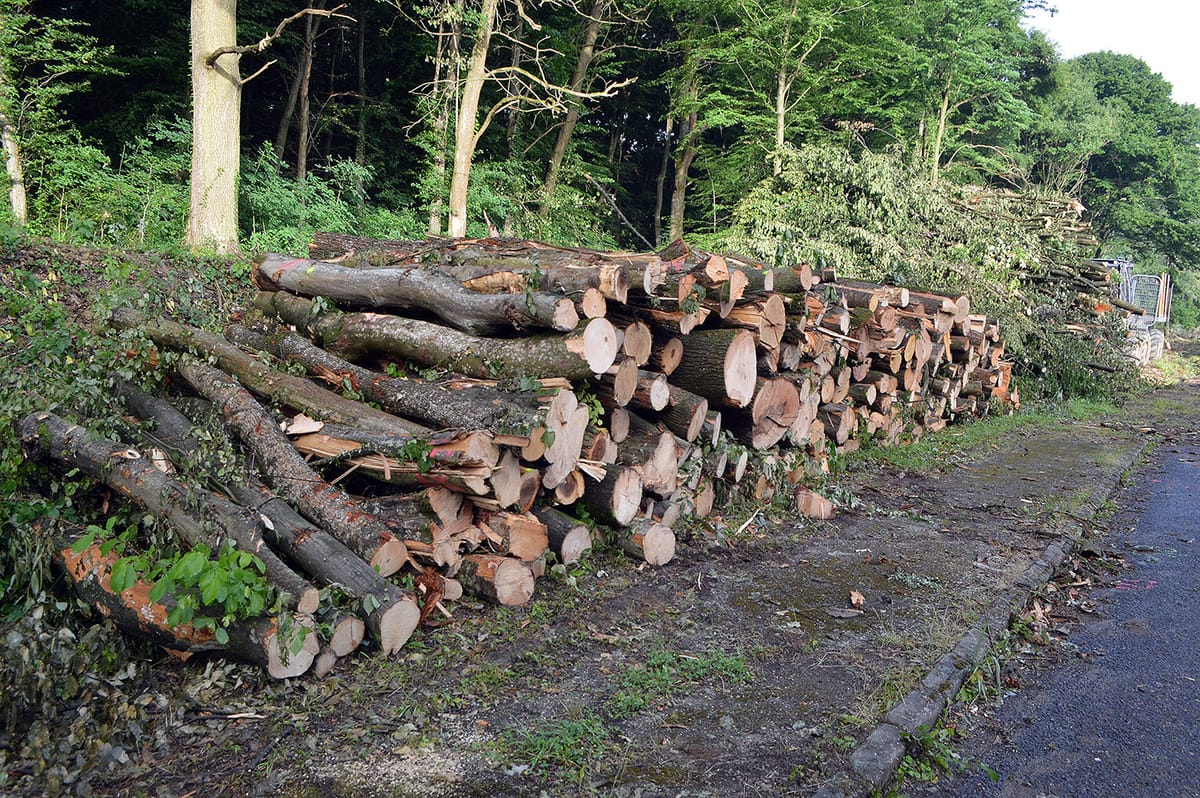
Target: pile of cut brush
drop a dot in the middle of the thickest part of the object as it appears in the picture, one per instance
(483, 395)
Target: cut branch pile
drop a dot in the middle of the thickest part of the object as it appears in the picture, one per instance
(480, 396)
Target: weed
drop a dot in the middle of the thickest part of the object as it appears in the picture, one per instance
(666, 672)
(569, 744)
(915, 581)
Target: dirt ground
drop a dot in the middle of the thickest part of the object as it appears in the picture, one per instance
(740, 668)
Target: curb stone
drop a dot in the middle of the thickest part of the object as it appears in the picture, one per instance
(873, 764)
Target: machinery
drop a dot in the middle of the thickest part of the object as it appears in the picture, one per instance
(1151, 294)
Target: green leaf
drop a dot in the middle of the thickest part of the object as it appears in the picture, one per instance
(221, 635)
(84, 542)
(123, 576)
(190, 566)
(161, 588)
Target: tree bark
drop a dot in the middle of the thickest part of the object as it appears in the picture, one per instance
(284, 388)
(505, 580)
(216, 128)
(312, 24)
(464, 131)
(413, 287)
(201, 517)
(431, 345)
(569, 539)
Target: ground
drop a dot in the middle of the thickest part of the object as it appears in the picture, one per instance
(740, 668)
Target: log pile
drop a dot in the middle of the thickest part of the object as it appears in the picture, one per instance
(482, 396)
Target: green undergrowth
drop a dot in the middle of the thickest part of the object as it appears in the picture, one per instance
(958, 443)
(68, 709)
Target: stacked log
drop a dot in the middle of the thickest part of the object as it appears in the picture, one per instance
(487, 394)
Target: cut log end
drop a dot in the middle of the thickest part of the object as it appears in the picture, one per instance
(282, 662)
(396, 625)
(390, 557)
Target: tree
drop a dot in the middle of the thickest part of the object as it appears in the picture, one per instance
(42, 61)
(1143, 185)
(216, 126)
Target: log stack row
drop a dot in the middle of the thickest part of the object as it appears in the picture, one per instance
(480, 397)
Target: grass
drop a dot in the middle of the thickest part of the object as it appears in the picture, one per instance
(571, 744)
(665, 673)
(943, 449)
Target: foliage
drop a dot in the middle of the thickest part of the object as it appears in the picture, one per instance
(73, 706)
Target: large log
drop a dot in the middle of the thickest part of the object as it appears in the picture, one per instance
(491, 264)
(290, 476)
(573, 356)
(391, 615)
(473, 407)
(420, 288)
(200, 516)
(255, 640)
(719, 365)
(283, 388)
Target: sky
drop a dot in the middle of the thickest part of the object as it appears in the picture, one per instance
(1163, 33)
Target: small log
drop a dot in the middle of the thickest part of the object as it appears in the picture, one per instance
(651, 391)
(812, 505)
(616, 498)
(521, 535)
(666, 354)
(685, 414)
(569, 539)
(504, 580)
(648, 541)
(593, 305)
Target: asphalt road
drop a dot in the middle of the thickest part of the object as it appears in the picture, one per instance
(1125, 719)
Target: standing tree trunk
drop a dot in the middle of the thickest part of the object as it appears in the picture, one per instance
(935, 155)
(688, 148)
(13, 166)
(216, 125)
(311, 25)
(445, 88)
(663, 166)
(464, 131)
(586, 52)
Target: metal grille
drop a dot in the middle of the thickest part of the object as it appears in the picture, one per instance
(1145, 293)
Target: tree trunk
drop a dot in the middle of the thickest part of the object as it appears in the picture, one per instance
(472, 407)
(464, 130)
(216, 128)
(943, 114)
(587, 51)
(423, 289)
(689, 148)
(312, 24)
(255, 640)
(661, 179)
(13, 165)
(572, 356)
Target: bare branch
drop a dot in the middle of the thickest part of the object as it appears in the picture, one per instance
(267, 41)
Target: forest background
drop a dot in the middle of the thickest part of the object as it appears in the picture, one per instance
(788, 129)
